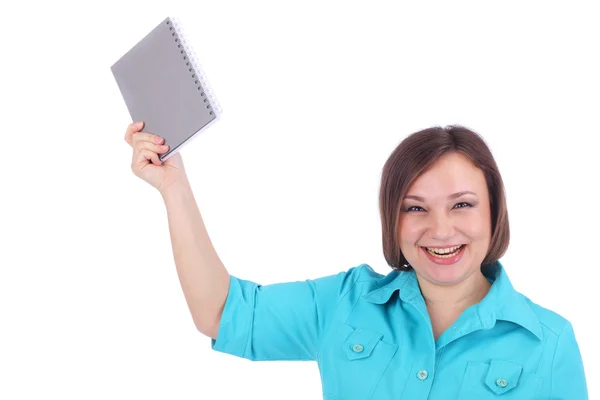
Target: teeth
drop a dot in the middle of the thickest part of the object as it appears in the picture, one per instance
(444, 253)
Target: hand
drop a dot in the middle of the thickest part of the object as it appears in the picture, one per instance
(146, 164)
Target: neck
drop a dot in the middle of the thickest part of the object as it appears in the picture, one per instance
(456, 297)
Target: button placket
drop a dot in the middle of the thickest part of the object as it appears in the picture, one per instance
(422, 375)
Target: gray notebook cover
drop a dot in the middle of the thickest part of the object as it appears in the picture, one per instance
(163, 85)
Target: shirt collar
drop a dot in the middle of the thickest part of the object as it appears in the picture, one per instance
(502, 302)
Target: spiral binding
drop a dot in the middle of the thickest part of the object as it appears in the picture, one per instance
(196, 72)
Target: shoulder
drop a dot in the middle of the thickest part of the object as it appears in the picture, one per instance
(532, 314)
(366, 275)
(359, 278)
(552, 322)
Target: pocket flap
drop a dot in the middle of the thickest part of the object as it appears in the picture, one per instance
(360, 343)
(502, 376)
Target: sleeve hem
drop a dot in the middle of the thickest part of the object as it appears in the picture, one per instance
(234, 339)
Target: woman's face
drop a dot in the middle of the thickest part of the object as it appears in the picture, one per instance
(446, 207)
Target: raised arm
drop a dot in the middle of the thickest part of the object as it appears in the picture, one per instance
(277, 321)
(202, 275)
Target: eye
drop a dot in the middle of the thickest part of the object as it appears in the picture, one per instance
(414, 208)
(463, 205)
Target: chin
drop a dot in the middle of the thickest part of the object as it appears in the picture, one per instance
(448, 270)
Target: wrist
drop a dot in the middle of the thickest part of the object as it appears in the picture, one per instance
(175, 188)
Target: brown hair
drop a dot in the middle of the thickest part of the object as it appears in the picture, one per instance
(411, 158)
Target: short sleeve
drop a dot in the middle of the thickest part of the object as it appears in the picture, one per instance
(281, 321)
(568, 377)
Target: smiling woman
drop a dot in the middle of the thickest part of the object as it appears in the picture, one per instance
(444, 223)
(445, 323)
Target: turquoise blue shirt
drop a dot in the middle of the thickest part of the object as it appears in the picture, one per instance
(371, 337)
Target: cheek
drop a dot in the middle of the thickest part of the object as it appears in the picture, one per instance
(477, 227)
(410, 232)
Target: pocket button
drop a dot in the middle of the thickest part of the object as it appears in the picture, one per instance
(357, 348)
(502, 382)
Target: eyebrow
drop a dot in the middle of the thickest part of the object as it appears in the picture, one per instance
(452, 196)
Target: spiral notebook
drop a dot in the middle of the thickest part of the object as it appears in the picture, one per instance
(163, 85)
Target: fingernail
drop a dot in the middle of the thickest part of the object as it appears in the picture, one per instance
(158, 139)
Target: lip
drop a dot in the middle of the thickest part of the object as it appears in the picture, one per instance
(443, 247)
(445, 261)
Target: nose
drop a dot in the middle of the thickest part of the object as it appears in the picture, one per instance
(441, 227)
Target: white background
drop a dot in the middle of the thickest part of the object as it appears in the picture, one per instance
(315, 97)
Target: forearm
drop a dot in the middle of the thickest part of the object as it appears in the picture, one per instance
(203, 277)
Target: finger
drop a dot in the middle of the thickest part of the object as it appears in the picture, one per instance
(146, 137)
(143, 156)
(156, 148)
(131, 129)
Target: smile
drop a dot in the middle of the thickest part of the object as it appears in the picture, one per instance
(446, 255)
(445, 252)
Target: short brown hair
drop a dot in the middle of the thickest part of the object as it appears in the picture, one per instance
(411, 158)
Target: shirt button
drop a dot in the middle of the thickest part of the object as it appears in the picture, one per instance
(422, 375)
(502, 382)
(357, 348)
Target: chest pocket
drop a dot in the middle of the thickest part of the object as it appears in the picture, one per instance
(352, 362)
(498, 380)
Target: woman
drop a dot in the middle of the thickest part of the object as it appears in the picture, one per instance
(444, 324)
